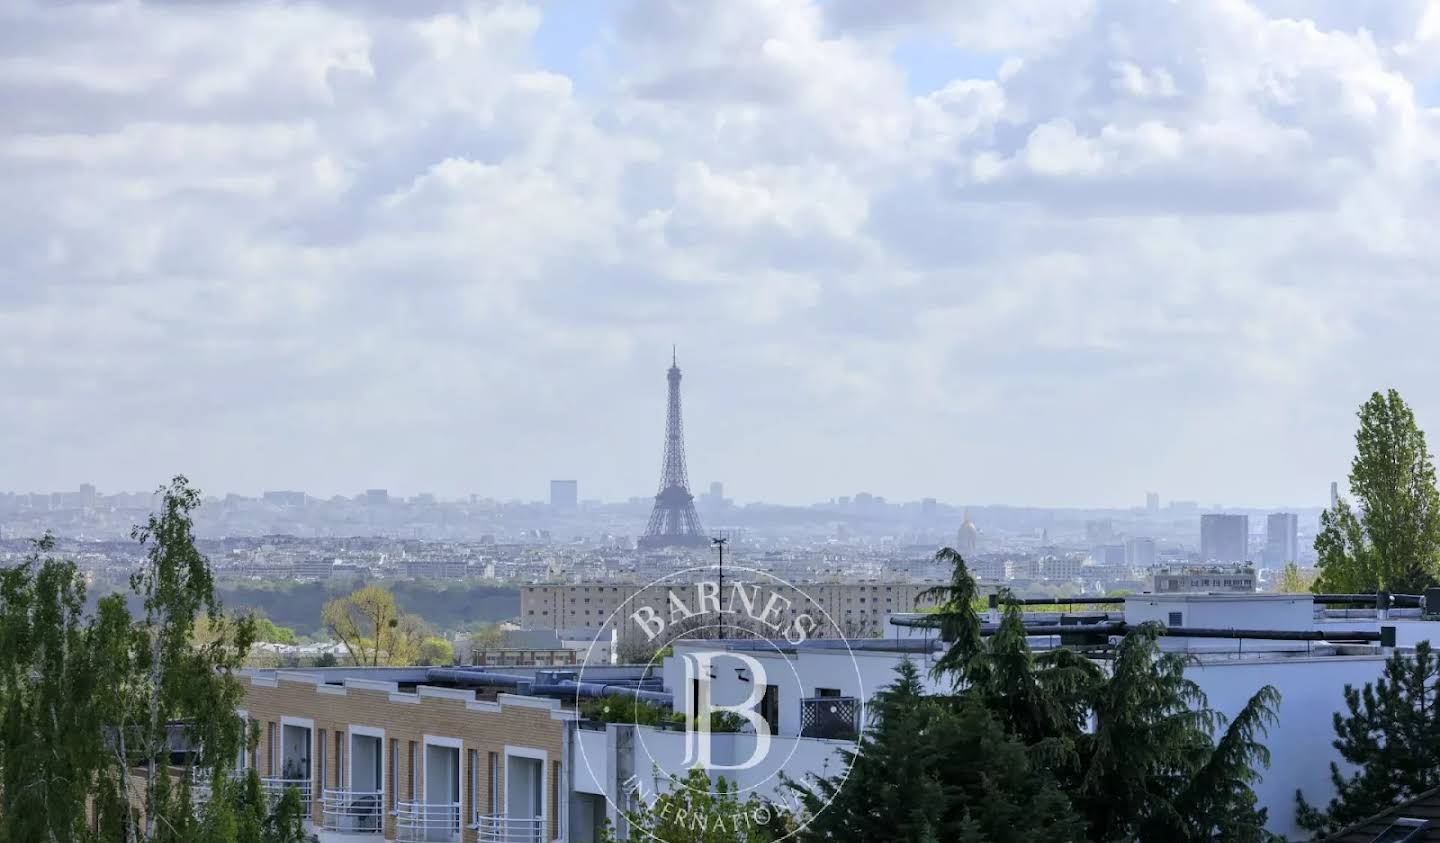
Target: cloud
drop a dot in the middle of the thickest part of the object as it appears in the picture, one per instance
(338, 245)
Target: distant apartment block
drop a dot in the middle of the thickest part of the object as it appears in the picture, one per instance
(857, 608)
(377, 497)
(1282, 543)
(1178, 579)
(564, 494)
(1224, 538)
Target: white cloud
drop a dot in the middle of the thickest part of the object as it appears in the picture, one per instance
(340, 245)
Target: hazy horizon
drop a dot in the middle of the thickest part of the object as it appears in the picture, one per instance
(1049, 253)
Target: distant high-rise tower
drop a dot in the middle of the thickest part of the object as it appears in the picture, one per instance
(564, 494)
(673, 522)
(1224, 538)
(1152, 502)
(1282, 542)
(1334, 494)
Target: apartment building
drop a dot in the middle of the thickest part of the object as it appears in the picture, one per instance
(858, 609)
(1188, 578)
(377, 754)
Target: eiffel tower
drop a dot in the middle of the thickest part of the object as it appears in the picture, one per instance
(673, 522)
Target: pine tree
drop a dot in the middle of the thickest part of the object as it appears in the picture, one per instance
(1136, 751)
(958, 621)
(1391, 734)
(906, 784)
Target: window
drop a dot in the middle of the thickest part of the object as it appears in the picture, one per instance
(254, 734)
(1177, 619)
(554, 790)
(827, 692)
(770, 708)
(340, 760)
(320, 744)
(414, 758)
(394, 779)
(472, 781)
(494, 803)
(270, 748)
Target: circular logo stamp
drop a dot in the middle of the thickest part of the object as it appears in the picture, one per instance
(737, 683)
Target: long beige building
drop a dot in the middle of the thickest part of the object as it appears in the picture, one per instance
(377, 758)
(857, 609)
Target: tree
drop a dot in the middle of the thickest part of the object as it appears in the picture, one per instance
(88, 702)
(1138, 752)
(435, 650)
(904, 784)
(373, 629)
(1294, 580)
(1392, 541)
(486, 635)
(956, 615)
(697, 811)
(1151, 770)
(1391, 734)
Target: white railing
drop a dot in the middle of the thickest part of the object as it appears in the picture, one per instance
(499, 828)
(433, 822)
(275, 787)
(353, 811)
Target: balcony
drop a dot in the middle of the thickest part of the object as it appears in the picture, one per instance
(352, 811)
(274, 787)
(430, 822)
(499, 828)
(834, 718)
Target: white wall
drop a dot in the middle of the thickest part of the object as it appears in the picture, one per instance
(593, 763)
(1240, 611)
(1300, 750)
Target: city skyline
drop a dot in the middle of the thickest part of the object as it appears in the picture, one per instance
(1058, 253)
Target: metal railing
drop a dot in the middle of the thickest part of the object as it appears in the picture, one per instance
(274, 787)
(432, 822)
(352, 811)
(836, 718)
(499, 828)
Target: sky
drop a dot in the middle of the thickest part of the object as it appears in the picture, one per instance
(1049, 252)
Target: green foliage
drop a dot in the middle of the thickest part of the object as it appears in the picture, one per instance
(1293, 580)
(904, 783)
(624, 709)
(958, 617)
(373, 629)
(87, 700)
(1069, 753)
(267, 630)
(444, 605)
(435, 650)
(1393, 541)
(1391, 734)
(695, 810)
